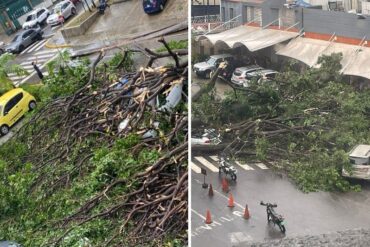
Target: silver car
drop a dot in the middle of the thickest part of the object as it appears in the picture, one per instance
(64, 9)
(24, 39)
(264, 74)
(240, 74)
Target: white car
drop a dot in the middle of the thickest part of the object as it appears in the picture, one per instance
(65, 8)
(35, 18)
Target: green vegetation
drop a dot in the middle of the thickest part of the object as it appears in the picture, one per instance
(69, 179)
(175, 45)
(303, 123)
(7, 67)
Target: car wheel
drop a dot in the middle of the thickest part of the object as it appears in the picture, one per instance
(4, 129)
(21, 48)
(39, 37)
(32, 105)
(208, 74)
(73, 11)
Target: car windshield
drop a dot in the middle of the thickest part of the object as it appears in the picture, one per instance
(211, 61)
(16, 38)
(30, 17)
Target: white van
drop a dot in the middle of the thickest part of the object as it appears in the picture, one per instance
(360, 160)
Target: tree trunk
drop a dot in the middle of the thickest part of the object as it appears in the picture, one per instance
(211, 84)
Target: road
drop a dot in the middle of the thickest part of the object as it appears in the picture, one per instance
(305, 214)
(38, 51)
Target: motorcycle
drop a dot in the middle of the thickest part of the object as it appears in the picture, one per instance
(102, 6)
(226, 168)
(277, 219)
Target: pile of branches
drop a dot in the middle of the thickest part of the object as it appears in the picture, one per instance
(67, 130)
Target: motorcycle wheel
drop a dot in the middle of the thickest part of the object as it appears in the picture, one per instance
(233, 177)
(282, 228)
(269, 218)
(219, 171)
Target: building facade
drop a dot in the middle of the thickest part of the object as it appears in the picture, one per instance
(12, 10)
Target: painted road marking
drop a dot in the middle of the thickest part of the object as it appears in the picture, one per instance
(216, 222)
(244, 166)
(28, 48)
(214, 157)
(194, 167)
(39, 58)
(222, 195)
(38, 46)
(239, 237)
(201, 216)
(206, 163)
(262, 166)
(45, 52)
(41, 67)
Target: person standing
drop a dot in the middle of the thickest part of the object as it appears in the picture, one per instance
(37, 69)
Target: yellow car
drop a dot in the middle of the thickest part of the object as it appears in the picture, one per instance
(13, 105)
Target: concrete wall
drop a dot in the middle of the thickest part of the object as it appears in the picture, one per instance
(69, 32)
(270, 11)
(340, 23)
(236, 6)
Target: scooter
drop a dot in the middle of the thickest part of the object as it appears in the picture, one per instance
(277, 219)
(226, 168)
(102, 6)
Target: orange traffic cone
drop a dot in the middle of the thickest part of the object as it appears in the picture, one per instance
(208, 217)
(246, 212)
(210, 191)
(225, 185)
(231, 201)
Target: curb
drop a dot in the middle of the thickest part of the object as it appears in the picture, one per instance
(54, 46)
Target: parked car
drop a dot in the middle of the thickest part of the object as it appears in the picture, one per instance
(209, 137)
(13, 105)
(9, 244)
(65, 8)
(359, 158)
(264, 74)
(153, 6)
(240, 74)
(36, 18)
(24, 39)
(205, 69)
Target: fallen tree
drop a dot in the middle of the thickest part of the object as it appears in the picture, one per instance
(106, 165)
(301, 123)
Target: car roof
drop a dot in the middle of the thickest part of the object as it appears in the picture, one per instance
(360, 151)
(248, 68)
(6, 96)
(61, 3)
(263, 72)
(34, 11)
(221, 56)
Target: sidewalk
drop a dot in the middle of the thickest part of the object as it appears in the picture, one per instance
(122, 21)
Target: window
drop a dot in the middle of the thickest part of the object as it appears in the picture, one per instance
(231, 16)
(40, 13)
(18, 98)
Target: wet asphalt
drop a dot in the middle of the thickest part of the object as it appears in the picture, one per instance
(305, 214)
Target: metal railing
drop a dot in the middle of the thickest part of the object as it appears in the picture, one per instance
(206, 19)
(232, 23)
